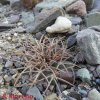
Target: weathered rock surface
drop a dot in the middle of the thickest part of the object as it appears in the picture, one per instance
(4, 2)
(54, 3)
(78, 8)
(44, 19)
(27, 18)
(89, 43)
(94, 95)
(93, 19)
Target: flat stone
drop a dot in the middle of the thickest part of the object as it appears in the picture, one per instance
(13, 19)
(44, 19)
(78, 8)
(89, 43)
(93, 19)
(71, 40)
(54, 3)
(35, 93)
(27, 18)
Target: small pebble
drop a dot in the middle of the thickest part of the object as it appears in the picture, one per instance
(9, 64)
(15, 34)
(9, 38)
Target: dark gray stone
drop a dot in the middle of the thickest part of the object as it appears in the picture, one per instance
(4, 2)
(89, 4)
(79, 58)
(89, 43)
(4, 27)
(35, 93)
(71, 40)
(44, 19)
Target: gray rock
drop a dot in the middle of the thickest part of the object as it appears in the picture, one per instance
(93, 19)
(1, 60)
(18, 64)
(71, 40)
(39, 35)
(24, 89)
(94, 95)
(4, 27)
(83, 74)
(96, 6)
(4, 2)
(13, 19)
(44, 19)
(15, 4)
(27, 18)
(76, 20)
(83, 92)
(19, 29)
(89, 43)
(98, 81)
(9, 64)
(54, 3)
(79, 58)
(35, 93)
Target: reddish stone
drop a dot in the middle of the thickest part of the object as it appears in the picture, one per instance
(78, 8)
(29, 4)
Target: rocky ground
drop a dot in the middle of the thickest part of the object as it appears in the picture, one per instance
(49, 50)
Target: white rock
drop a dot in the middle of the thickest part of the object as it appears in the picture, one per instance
(94, 95)
(61, 25)
(15, 34)
(9, 38)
